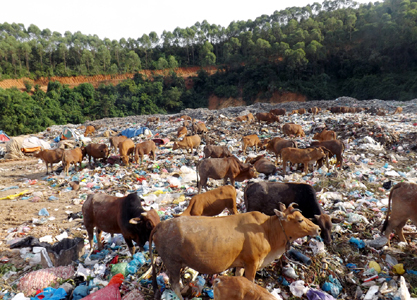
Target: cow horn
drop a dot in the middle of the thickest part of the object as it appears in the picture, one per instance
(317, 217)
(294, 209)
(134, 221)
(144, 214)
(281, 206)
(280, 214)
(292, 204)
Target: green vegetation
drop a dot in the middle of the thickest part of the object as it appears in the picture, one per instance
(322, 51)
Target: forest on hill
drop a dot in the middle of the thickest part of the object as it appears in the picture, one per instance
(321, 51)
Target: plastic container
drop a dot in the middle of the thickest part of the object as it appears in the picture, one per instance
(299, 256)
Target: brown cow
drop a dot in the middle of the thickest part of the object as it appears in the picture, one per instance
(73, 156)
(96, 151)
(216, 151)
(251, 141)
(198, 128)
(52, 156)
(116, 140)
(304, 156)
(399, 110)
(211, 245)
(262, 165)
(239, 288)
(147, 147)
(404, 206)
(188, 143)
(335, 110)
(241, 118)
(291, 128)
(223, 168)
(126, 148)
(278, 111)
(152, 120)
(182, 131)
(277, 144)
(212, 203)
(268, 117)
(302, 111)
(123, 215)
(251, 118)
(185, 117)
(325, 135)
(89, 130)
(336, 147)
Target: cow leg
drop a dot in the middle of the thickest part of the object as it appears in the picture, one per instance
(239, 271)
(284, 166)
(130, 245)
(250, 271)
(339, 159)
(306, 167)
(174, 280)
(98, 236)
(46, 168)
(399, 231)
(233, 207)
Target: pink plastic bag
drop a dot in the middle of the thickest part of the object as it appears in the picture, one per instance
(110, 292)
(133, 295)
(38, 280)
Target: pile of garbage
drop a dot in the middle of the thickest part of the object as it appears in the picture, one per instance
(380, 152)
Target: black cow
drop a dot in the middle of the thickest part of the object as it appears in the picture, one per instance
(123, 215)
(266, 196)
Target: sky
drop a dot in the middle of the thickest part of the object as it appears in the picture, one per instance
(131, 19)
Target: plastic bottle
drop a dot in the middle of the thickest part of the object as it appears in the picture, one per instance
(299, 256)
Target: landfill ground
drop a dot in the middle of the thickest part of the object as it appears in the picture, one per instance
(380, 152)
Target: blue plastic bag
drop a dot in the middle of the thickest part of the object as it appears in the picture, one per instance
(51, 294)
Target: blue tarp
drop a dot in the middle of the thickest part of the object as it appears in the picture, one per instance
(132, 132)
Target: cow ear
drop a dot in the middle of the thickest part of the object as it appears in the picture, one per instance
(317, 217)
(280, 214)
(282, 206)
(135, 221)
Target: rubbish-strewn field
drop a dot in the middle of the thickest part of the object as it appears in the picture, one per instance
(380, 151)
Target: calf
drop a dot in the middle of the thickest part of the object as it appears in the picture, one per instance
(404, 206)
(277, 144)
(115, 141)
(304, 156)
(262, 165)
(198, 127)
(250, 141)
(278, 111)
(143, 148)
(216, 151)
(189, 143)
(73, 156)
(223, 168)
(126, 148)
(96, 151)
(291, 128)
(182, 131)
(325, 135)
(239, 288)
(211, 245)
(399, 110)
(336, 147)
(268, 117)
(212, 203)
(123, 215)
(89, 130)
(50, 157)
(266, 196)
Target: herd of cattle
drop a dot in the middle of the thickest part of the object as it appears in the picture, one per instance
(247, 241)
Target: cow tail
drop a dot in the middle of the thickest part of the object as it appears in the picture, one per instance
(197, 164)
(154, 283)
(385, 225)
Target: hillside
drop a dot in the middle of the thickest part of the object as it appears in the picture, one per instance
(96, 80)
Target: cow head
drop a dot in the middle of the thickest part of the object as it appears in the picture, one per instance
(316, 136)
(144, 225)
(125, 159)
(175, 147)
(325, 223)
(295, 224)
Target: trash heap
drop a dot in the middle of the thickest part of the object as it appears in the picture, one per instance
(48, 257)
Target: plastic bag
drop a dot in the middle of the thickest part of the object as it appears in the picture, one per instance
(297, 288)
